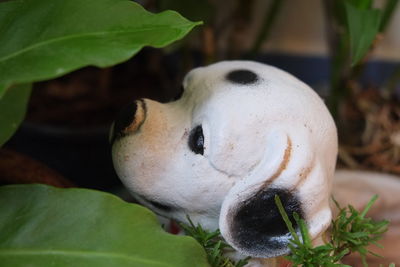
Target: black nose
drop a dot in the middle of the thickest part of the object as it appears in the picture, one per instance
(128, 120)
(258, 227)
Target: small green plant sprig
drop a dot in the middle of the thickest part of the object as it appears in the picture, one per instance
(351, 232)
(213, 244)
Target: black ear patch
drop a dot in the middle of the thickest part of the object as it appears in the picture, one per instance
(258, 228)
(243, 77)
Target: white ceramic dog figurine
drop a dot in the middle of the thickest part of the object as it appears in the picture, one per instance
(241, 133)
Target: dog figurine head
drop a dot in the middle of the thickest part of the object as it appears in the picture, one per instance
(241, 133)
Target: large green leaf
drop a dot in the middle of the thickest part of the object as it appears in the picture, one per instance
(46, 226)
(363, 26)
(43, 39)
(12, 110)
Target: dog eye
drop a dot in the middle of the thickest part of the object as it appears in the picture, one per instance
(196, 140)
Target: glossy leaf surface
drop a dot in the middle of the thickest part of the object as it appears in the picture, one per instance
(12, 110)
(43, 39)
(46, 226)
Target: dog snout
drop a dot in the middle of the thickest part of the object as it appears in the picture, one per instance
(129, 120)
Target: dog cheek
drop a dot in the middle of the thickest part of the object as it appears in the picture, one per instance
(257, 227)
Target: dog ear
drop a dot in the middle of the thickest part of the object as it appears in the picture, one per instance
(250, 220)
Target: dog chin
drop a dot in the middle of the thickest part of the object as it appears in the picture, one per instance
(207, 221)
(162, 209)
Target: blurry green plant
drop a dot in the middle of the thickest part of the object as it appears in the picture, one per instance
(351, 232)
(354, 29)
(44, 39)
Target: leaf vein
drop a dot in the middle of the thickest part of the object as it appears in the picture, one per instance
(77, 36)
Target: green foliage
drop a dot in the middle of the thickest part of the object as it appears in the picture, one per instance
(46, 226)
(361, 4)
(388, 10)
(44, 39)
(302, 251)
(363, 26)
(213, 244)
(361, 23)
(12, 110)
(355, 26)
(351, 232)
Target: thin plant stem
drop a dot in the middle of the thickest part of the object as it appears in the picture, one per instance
(388, 10)
(269, 20)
